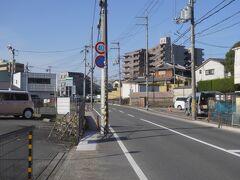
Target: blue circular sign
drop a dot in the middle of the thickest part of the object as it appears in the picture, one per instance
(99, 61)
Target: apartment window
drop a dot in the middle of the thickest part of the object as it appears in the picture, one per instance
(39, 81)
(209, 72)
(200, 71)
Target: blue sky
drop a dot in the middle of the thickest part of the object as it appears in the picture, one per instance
(52, 25)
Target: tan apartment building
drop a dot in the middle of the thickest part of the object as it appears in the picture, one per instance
(134, 62)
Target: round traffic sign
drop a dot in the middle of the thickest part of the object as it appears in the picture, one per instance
(99, 61)
(100, 47)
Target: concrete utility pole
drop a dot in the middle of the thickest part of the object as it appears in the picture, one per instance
(92, 68)
(119, 69)
(193, 61)
(173, 62)
(85, 72)
(146, 60)
(104, 89)
(188, 14)
(12, 65)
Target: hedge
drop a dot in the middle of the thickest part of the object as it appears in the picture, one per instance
(223, 85)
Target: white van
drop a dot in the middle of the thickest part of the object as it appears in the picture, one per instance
(16, 103)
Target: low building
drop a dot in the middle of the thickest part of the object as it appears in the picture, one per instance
(6, 66)
(41, 84)
(210, 69)
(71, 83)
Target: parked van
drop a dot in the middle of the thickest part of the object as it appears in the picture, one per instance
(16, 103)
(201, 102)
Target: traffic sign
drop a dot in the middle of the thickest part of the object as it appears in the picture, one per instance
(99, 61)
(100, 47)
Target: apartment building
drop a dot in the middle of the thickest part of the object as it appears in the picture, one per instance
(164, 52)
(134, 64)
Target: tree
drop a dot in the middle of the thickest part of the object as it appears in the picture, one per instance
(230, 59)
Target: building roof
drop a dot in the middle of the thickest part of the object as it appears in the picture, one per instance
(219, 60)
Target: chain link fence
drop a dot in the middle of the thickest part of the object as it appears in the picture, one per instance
(16, 154)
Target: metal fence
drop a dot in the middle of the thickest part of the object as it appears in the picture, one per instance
(16, 154)
(222, 109)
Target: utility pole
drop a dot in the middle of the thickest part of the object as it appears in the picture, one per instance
(91, 68)
(173, 62)
(85, 72)
(193, 61)
(146, 60)
(104, 87)
(119, 70)
(188, 14)
(12, 64)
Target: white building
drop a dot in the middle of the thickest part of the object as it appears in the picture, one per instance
(237, 66)
(40, 84)
(128, 88)
(210, 69)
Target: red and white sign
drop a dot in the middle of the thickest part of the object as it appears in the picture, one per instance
(100, 48)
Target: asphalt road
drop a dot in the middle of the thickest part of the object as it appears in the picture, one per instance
(168, 149)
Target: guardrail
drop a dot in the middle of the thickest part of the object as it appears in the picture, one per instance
(16, 154)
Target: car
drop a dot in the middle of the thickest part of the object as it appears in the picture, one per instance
(16, 103)
(180, 103)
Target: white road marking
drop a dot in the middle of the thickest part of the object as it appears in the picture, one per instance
(234, 151)
(121, 111)
(192, 138)
(130, 159)
(131, 115)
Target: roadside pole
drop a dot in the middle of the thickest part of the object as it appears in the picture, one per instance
(104, 83)
(12, 64)
(85, 71)
(146, 60)
(119, 70)
(92, 68)
(193, 61)
(187, 14)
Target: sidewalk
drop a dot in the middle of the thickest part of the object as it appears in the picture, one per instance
(95, 157)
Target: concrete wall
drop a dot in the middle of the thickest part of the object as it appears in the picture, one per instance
(181, 92)
(127, 88)
(219, 71)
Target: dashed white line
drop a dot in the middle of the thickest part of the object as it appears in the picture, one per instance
(120, 111)
(232, 152)
(130, 115)
(130, 159)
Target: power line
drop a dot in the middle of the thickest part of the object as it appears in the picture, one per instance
(220, 22)
(49, 52)
(204, 16)
(213, 45)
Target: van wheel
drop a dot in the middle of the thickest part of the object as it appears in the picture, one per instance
(179, 107)
(28, 114)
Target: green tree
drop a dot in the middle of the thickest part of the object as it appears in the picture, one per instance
(230, 59)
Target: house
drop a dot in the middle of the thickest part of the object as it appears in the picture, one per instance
(212, 68)
(237, 65)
